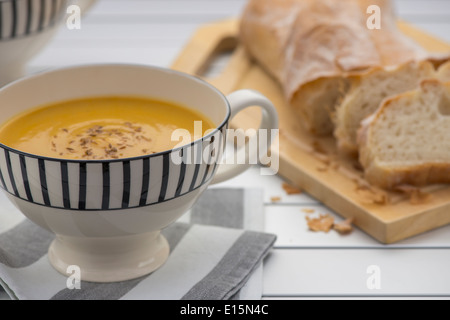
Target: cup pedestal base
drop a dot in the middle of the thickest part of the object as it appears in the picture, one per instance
(109, 259)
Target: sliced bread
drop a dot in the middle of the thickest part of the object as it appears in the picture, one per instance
(368, 91)
(407, 141)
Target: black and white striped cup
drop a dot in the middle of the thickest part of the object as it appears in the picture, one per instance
(82, 201)
(26, 26)
(21, 18)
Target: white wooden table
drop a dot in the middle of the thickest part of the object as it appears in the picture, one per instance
(303, 264)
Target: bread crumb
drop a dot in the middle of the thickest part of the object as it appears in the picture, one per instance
(369, 195)
(335, 166)
(374, 198)
(325, 160)
(322, 158)
(322, 169)
(416, 195)
(275, 199)
(290, 189)
(324, 223)
(344, 227)
(307, 210)
(361, 185)
(317, 147)
(381, 199)
(357, 166)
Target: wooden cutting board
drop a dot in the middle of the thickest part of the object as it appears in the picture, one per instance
(313, 163)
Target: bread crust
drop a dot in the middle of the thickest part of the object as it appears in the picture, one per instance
(419, 175)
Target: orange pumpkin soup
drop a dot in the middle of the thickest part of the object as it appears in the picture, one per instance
(100, 128)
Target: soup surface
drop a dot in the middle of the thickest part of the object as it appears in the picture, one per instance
(101, 128)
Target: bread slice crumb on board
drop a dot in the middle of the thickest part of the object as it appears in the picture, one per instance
(344, 227)
(275, 199)
(407, 141)
(325, 223)
(415, 194)
(291, 189)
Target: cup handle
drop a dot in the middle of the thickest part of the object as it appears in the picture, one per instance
(240, 100)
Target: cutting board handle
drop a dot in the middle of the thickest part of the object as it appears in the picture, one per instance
(205, 45)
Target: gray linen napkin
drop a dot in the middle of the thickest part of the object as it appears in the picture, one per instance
(216, 253)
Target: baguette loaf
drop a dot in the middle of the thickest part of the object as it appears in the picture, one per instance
(312, 46)
(368, 91)
(407, 140)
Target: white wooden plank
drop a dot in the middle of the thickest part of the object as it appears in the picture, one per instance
(150, 36)
(422, 10)
(167, 8)
(431, 8)
(60, 57)
(272, 186)
(111, 32)
(122, 43)
(347, 272)
(289, 223)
